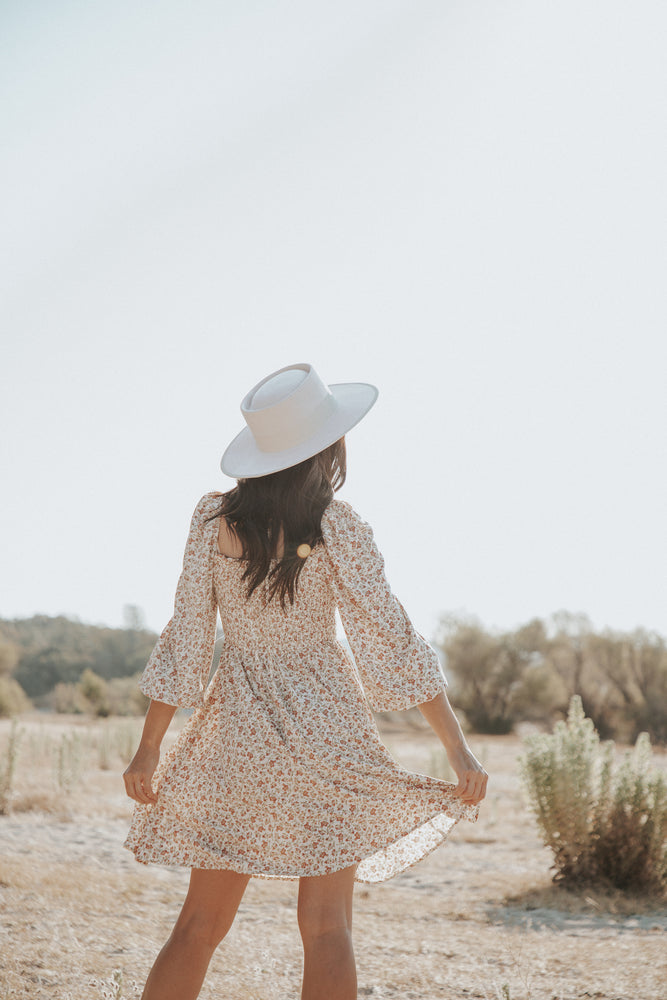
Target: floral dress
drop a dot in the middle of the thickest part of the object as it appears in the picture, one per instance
(280, 771)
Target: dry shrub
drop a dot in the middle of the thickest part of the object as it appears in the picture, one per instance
(13, 699)
(67, 699)
(96, 693)
(92, 695)
(124, 696)
(604, 826)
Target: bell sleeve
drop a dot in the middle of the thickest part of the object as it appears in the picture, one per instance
(180, 664)
(396, 666)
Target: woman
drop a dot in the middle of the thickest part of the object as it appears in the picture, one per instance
(280, 771)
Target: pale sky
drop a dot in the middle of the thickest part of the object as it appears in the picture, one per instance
(461, 202)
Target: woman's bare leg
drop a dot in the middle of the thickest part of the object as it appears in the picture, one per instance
(325, 921)
(207, 914)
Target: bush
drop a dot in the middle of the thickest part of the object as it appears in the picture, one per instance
(68, 700)
(604, 826)
(125, 698)
(95, 690)
(13, 699)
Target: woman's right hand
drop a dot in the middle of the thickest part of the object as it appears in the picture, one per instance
(472, 776)
(138, 776)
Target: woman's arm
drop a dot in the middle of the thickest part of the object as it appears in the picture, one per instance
(472, 776)
(140, 770)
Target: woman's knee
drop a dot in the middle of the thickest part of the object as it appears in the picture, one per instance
(325, 904)
(209, 908)
(317, 921)
(199, 932)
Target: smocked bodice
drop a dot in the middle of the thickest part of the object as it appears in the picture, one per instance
(260, 622)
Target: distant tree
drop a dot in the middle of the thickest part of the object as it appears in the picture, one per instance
(42, 652)
(497, 679)
(634, 666)
(621, 678)
(570, 655)
(40, 670)
(133, 618)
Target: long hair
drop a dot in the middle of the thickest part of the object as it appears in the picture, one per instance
(292, 500)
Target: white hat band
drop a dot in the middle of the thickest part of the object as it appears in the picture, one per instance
(291, 424)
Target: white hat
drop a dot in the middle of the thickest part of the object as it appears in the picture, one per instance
(291, 416)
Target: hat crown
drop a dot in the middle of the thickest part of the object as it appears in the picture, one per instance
(276, 388)
(287, 407)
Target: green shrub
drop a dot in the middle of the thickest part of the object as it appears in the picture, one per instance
(604, 825)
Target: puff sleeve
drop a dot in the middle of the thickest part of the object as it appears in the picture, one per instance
(396, 666)
(180, 664)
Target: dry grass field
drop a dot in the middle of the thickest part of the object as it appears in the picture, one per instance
(479, 918)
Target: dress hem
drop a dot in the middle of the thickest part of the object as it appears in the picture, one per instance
(245, 869)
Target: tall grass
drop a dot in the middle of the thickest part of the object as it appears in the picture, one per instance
(8, 761)
(68, 762)
(68, 755)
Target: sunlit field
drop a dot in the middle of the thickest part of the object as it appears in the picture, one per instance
(480, 918)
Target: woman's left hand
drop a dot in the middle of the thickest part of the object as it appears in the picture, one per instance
(138, 776)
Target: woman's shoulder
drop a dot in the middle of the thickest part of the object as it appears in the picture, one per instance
(339, 510)
(340, 520)
(207, 507)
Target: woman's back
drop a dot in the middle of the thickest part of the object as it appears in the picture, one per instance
(259, 621)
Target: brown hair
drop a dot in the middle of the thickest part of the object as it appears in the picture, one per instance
(293, 499)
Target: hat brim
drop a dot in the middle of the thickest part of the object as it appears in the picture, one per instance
(244, 460)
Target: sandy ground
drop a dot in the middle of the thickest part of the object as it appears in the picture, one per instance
(479, 918)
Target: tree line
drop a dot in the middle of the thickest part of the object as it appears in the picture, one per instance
(501, 678)
(62, 664)
(497, 678)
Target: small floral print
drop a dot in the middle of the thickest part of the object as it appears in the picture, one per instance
(281, 772)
